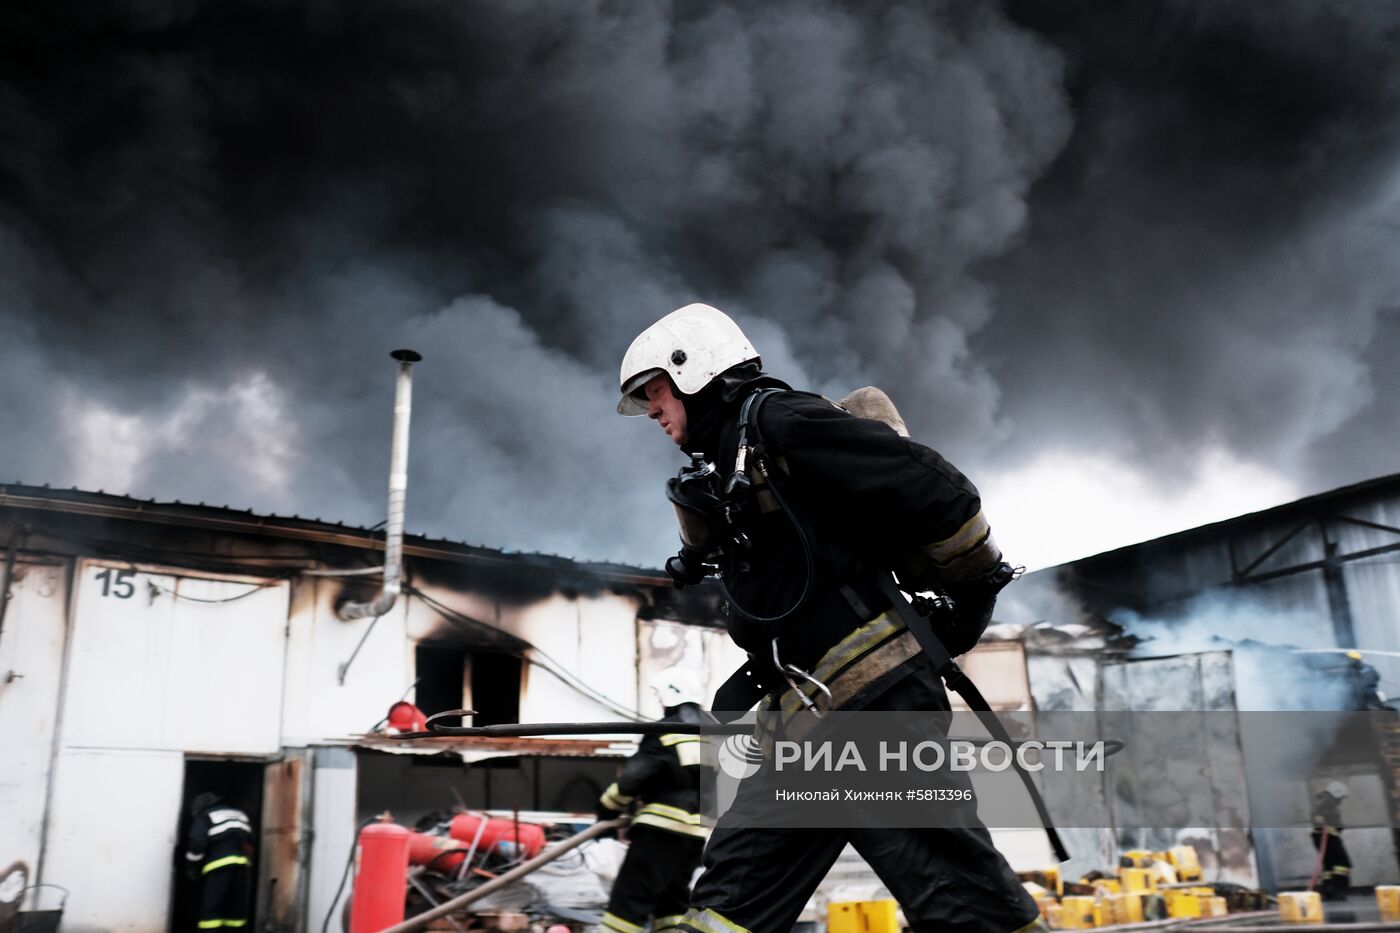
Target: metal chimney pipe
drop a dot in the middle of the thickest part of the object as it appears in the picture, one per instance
(398, 492)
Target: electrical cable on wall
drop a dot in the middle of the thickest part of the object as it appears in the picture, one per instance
(531, 654)
(214, 602)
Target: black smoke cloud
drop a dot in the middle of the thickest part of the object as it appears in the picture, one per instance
(1086, 226)
(1211, 262)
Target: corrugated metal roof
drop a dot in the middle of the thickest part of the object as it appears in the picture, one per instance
(227, 518)
(1355, 491)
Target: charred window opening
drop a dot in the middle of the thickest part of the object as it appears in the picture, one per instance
(495, 688)
(442, 678)
(455, 678)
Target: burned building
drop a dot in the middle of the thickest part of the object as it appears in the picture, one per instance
(1252, 614)
(151, 651)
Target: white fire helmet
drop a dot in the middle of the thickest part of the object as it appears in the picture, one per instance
(693, 345)
(1337, 789)
(677, 685)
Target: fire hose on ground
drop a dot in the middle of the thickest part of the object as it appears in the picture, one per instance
(515, 874)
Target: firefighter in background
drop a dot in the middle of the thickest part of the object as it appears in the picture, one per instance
(220, 845)
(1365, 683)
(806, 506)
(1327, 840)
(667, 834)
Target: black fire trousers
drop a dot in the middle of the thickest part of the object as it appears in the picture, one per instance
(946, 879)
(1336, 865)
(654, 881)
(225, 895)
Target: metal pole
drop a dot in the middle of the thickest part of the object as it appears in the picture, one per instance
(398, 494)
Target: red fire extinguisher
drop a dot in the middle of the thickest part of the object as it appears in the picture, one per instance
(381, 884)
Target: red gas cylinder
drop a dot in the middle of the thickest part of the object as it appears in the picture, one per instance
(427, 849)
(382, 881)
(466, 825)
(405, 717)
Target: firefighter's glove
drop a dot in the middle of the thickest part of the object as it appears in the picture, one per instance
(960, 626)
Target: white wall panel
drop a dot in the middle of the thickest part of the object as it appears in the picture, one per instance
(332, 833)
(112, 837)
(595, 639)
(161, 661)
(31, 666)
(318, 705)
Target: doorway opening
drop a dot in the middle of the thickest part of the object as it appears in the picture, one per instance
(238, 784)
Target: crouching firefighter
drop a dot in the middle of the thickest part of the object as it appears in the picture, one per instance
(803, 509)
(221, 845)
(665, 780)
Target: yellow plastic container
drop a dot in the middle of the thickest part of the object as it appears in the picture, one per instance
(1186, 863)
(862, 917)
(1055, 917)
(1137, 879)
(1182, 903)
(1107, 886)
(1127, 908)
(1077, 913)
(1137, 858)
(1300, 907)
(1214, 906)
(1388, 900)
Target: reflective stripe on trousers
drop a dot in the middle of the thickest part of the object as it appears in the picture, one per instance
(710, 921)
(226, 860)
(614, 922)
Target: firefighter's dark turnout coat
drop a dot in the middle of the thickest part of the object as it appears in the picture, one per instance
(664, 782)
(221, 841)
(1336, 863)
(863, 493)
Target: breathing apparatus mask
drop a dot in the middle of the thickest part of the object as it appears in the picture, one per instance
(706, 520)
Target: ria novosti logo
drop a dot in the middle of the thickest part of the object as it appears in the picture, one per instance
(740, 756)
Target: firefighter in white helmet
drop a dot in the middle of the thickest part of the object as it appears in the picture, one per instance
(1335, 880)
(796, 505)
(663, 782)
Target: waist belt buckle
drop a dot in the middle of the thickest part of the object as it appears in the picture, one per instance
(791, 673)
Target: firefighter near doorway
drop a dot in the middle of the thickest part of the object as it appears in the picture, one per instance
(219, 852)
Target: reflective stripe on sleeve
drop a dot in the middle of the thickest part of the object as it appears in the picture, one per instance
(227, 813)
(229, 825)
(689, 749)
(672, 819)
(676, 738)
(614, 799)
(690, 753)
(969, 552)
(662, 924)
